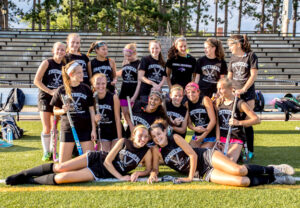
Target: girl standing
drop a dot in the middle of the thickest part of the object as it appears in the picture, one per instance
(48, 78)
(103, 64)
(81, 107)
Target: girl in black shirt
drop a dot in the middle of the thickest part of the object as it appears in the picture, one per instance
(212, 165)
(109, 108)
(243, 70)
(92, 166)
(211, 67)
(80, 105)
(152, 73)
(180, 64)
(225, 107)
(48, 78)
(74, 54)
(103, 64)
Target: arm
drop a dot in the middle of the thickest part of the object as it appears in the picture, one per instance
(137, 89)
(39, 77)
(119, 73)
(148, 166)
(162, 82)
(141, 75)
(110, 157)
(192, 155)
(183, 126)
(251, 120)
(249, 83)
(197, 79)
(114, 71)
(169, 77)
(155, 165)
(117, 116)
(89, 70)
(92, 114)
(230, 75)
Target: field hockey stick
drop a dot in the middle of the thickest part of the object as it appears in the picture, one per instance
(98, 123)
(230, 127)
(73, 128)
(130, 110)
(246, 153)
(166, 178)
(54, 138)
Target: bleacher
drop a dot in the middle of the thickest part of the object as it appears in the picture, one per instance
(21, 52)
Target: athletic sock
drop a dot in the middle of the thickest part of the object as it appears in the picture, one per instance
(261, 179)
(39, 170)
(255, 170)
(250, 138)
(46, 142)
(43, 180)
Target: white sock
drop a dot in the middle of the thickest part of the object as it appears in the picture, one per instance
(46, 142)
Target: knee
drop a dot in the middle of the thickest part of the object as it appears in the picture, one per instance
(59, 178)
(242, 170)
(244, 181)
(58, 168)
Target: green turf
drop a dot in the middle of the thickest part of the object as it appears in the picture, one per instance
(275, 142)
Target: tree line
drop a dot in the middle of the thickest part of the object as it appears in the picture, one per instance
(147, 16)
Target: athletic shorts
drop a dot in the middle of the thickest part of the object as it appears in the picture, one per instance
(231, 141)
(67, 136)
(204, 166)
(207, 139)
(111, 88)
(44, 105)
(208, 91)
(108, 140)
(95, 162)
(249, 95)
(123, 103)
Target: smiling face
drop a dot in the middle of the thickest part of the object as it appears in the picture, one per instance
(102, 51)
(74, 44)
(100, 84)
(176, 96)
(192, 94)
(181, 46)
(153, 103)
(223, 90)
(234, 47)
(209, 50)
(159, 136)
(77, 75)
(154, 49)
(59, 51)
(140, 137)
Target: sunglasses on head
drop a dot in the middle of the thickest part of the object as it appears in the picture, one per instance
(100, 44)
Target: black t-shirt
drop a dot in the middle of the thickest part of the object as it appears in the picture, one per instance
(129, 75)
(52, 78)
(210, 71)
(182, 69)
(83, 60)
(199, 116)
(107, 123)
(241, 67)
(176, 112)
(82, 99)
(224, 115)
(129, 157)
(153, 71)
(102, 67)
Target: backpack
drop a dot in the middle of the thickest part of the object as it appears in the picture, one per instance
(8, 124)
(15, 101)
(288, 105)
(259, 101)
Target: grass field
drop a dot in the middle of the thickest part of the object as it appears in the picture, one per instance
(275, 142)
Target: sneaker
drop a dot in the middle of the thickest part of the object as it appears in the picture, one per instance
(47, 156)
(283, 169)
(250, 155)
(285, 179)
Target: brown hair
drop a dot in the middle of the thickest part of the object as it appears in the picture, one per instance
(68, 39)
(159, 123)
(66, 78)
(213, 42)
(135, 130)
(243, 40)
(93, 45)
(160, 56)
(173, 52)
(228, 84)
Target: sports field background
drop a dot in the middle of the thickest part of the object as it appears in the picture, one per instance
(275, 142)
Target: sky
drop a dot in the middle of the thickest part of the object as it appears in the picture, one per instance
(247, 23)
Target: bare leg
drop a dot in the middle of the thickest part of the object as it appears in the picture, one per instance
(207, 145)
(46, 118)
(224, 164)
(88, 145)
(106, 146)
(81, 175)
(65, 151)
(113, 143)
(223, 178)
(234, 152)
(195, 144)
(77, 163)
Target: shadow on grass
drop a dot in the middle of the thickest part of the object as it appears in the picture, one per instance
(28, 138)
(17, 148)
(276, 132)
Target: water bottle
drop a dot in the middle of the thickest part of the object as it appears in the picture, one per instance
(9, 136)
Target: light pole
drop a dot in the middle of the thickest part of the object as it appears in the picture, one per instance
(4, 12)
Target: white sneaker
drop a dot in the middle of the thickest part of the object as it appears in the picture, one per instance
(283, 169)
(285, 179)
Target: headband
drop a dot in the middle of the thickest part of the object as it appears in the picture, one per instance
(157, 93)
(100, 44)
(192, 84)
(180, 39)
(128, 50)
(72, 67)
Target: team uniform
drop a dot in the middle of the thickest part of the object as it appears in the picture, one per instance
(238, 135)
(178, 160)
(210, 71)
(240, 68)
(82, 100)
(105, 68)
(129, 76)
(154, 72)
(83, 60)
(52, 79)
(107, 123)
(126, 160)
(182, 69)
(199, 117)
(174, 112)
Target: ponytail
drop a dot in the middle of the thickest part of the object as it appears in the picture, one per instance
(173, 52)
(66, 79)
(243, 40)
(91, 49)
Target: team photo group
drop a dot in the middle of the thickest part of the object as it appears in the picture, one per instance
(113, 121)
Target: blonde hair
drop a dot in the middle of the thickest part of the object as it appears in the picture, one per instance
(71, 35)
(137, 128)
(56, 44)
(66, 78)
(176, 87)
(228, 84)
(131, 46)
(96, 76)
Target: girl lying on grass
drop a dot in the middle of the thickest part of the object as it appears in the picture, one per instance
(124, 157)
(211, 164)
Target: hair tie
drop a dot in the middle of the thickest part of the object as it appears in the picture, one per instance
(72, 67)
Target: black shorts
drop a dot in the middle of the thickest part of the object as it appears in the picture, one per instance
(44, 105)
(95, 162)
(208, 90)
(249, 95)
(111, 88)
(67, 136)
(204, 166)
